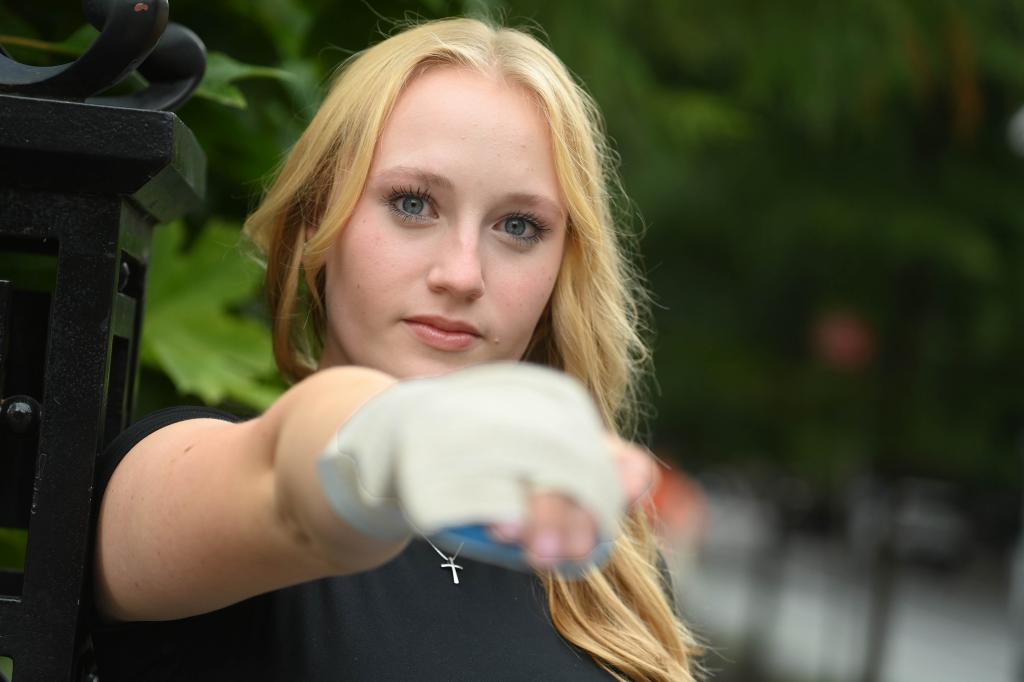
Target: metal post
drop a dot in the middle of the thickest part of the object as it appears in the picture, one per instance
(83, 179)
(1017, 583)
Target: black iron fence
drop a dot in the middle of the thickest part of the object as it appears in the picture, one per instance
(83, 180)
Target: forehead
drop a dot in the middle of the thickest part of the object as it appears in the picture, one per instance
(470, 127)
(468, 103)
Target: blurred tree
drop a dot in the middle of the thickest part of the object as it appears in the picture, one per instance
(794, 163)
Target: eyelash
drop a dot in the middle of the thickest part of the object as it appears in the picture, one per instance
(401, 192)
(540, 227)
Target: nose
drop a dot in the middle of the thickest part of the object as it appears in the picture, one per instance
(458, 268)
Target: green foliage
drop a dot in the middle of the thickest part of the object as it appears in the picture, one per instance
(13, 544)
(223, 72)
(77, 43)
(192, 330)
(33, 272)
(790, 160)
(287, 21)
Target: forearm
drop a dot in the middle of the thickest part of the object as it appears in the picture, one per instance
(304, 420)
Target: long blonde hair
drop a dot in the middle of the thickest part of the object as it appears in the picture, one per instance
(591, 328)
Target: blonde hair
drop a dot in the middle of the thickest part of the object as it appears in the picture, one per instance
(620, 614)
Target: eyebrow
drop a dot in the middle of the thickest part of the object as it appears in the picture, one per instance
(432, 179)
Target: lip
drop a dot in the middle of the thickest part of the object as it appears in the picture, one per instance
(442, 333)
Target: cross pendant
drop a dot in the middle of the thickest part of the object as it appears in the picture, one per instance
(455, 567)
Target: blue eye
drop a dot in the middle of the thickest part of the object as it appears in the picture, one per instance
(524, 228)
(516, 226)
(413, 205)
(409, 204)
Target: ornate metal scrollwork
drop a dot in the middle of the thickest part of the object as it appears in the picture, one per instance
(134, 35)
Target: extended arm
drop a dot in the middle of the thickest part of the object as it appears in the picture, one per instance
(204, 513)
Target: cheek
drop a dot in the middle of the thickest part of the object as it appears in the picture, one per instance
(548, 275)
(376, 250)
(357, 243)
(364, 251)
(351, 269)
(371, 265)
(524, 298)
(540, 292)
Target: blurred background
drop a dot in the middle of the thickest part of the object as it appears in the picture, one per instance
(831, 196)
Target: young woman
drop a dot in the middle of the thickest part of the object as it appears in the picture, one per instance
(445, 216)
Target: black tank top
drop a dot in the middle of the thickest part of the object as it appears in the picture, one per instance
(406, 620)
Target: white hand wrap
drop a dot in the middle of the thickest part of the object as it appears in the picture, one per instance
(470, 447)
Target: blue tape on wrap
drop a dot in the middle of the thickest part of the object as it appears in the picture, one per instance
(474, 542)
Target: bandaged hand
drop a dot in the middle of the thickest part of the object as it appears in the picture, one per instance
(492, 446)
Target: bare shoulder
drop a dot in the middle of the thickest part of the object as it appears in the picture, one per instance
(210, 440)
(189, 505)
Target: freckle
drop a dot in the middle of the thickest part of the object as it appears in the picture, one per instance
(189, 448)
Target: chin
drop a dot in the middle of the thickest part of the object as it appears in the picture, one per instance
(421, 368)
